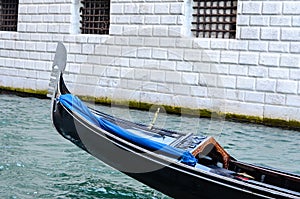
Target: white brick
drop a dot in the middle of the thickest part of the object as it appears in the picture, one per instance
(246, 83)
(266, 85)
(238, 70)
(136, 19)
(184, 66)
(174, 31)
(192, 55)
(145, 32)
(81, 58)
(201, 67)
(251, 33)
(65, 9)
(268, 59)
(161, 31)
(144, 52)
(295, 74)
(173, 77)
(166, 42)
(136, 41)
(151, 41)
(88, 49)
(219, 68)
(183, 43)
(291, 7)
(44, 75)
(245, 108)
(216, 93)
(255, 97)
(275, 99)
(127, 51)
(272, 7)
(159, 53)
(141, 74)
(238, 45)
(290, 61)
(87, 69)
(161, 8)
(258, 46)
(198, 91)
(219, 44)
(23, 9)
(295, 47)
(181, 90)
(116, 8)
(131, 8)
(33, 9)
(270, 33)
(279, 47)
(112, 72)
(250, 7)
(286, 86)
(278, 73)
(296, 21)
(248, 58)
(229, 56)
(258, 20)
(290, 34)
(146, 8)
(176, 8)
(131, 30)
(175, 54)
(74, 48)
(208, 80)
(277, 112)
(226, 81)
(166, 65)
(126, 73)
(211, 56)
(190, 78)
(53, 9)
(181, 21)
(168, 20)
(152, 19)
(280, 21)
(123, 62)
(235, 95)
(120, 19)
(294, 114)
(201, 43)
(112, 50)
(121, 41)
(136, 63)
(293, 100)
(243, 20)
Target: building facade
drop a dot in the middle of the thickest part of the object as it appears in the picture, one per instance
(239, 57)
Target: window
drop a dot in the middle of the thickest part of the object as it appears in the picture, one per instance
(95, 16)
(214, 18)
(8, 15)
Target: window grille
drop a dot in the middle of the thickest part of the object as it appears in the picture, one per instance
(214, 18)
(95, 15)
(8, 15)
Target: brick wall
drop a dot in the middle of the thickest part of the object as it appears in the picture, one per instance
(152, 56)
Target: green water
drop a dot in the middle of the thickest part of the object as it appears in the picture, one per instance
(36, 162)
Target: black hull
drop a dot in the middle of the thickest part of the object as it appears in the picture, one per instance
(173, 179)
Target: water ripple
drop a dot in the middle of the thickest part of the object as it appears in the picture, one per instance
(36, 162)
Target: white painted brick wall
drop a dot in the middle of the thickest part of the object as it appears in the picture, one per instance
(257, 73)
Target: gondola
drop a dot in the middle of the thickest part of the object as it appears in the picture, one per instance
(176, 164)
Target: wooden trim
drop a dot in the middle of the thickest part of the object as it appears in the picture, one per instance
(210, 140)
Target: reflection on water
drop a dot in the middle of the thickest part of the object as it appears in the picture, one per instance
(36, 162)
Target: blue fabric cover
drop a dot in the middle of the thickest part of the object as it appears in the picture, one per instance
(74, 104)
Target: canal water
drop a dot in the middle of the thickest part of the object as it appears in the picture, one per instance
(36, 162)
